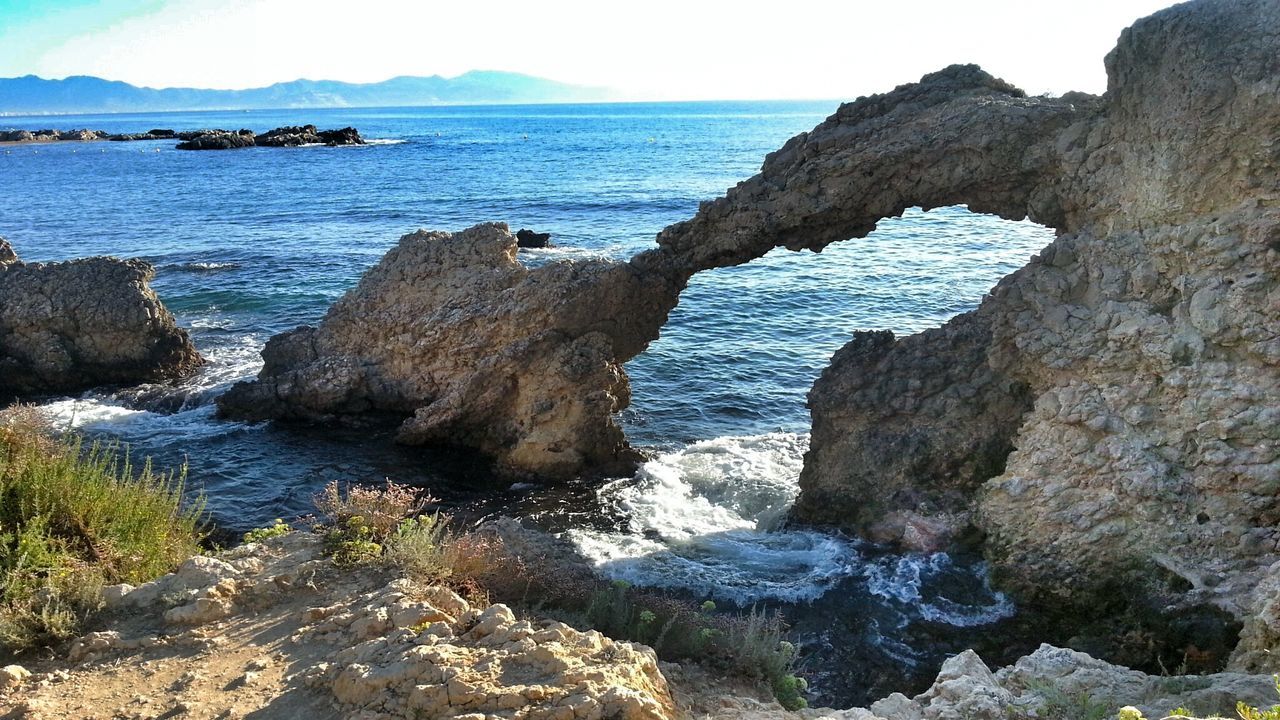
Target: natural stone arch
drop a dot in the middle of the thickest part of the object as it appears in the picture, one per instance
(1131, 366)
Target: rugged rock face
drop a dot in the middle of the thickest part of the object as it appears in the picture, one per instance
(69, 326)
(1133, 365)
(451, 330)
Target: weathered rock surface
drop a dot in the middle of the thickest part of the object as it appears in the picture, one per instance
(530, 239)
(452, 330)
(217, 140)
(73, 325)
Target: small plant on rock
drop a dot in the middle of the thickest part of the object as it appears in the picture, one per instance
(276, 529)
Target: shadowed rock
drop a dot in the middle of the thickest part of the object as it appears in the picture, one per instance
(69, 326)
(531, 239)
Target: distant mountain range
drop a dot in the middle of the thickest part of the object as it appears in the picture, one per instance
(31, 95)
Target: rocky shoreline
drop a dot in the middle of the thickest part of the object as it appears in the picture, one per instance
(289, 136)
(1103, 428)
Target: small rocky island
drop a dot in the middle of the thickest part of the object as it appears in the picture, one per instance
(290, 136)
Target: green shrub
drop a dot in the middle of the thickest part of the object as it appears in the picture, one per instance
(276, 529)
(74, 518)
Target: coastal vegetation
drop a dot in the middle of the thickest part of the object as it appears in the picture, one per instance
(387, 525)
(75, 517)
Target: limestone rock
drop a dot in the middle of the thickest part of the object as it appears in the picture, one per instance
(1131, 366)
(73, 325)
(479, 351)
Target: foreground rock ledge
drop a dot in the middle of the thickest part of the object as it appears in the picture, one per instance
(275, 629)
(69, 326)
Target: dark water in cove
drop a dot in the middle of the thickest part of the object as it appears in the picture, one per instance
(248, 243)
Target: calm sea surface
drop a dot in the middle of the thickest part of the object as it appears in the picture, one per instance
(248, 243)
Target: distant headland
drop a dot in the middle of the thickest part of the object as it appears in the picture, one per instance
(31, 95)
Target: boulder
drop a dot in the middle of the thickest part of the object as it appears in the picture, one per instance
(531, 239)
(69, 326)
(218, 140)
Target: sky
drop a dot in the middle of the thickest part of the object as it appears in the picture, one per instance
(650, 50)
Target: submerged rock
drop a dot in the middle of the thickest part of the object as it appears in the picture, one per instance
(73, 325)
(530, 239)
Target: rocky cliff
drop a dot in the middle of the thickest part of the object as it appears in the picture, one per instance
(69, 326)
(1133, 366)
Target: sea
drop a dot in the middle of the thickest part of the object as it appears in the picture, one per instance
(249, 243)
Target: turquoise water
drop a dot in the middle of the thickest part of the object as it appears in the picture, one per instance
(248, 243)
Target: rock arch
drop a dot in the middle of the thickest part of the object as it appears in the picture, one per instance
(1131, 368)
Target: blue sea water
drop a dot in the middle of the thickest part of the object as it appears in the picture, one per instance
(252, 242)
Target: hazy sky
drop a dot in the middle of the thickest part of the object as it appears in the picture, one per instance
(656, 49)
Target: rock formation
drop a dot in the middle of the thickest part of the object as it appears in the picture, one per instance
(530, 239)
(479, 351)
(308, 135)
(217, 140)
(69, 326)
(1107, 417)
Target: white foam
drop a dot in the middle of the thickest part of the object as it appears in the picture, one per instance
(704, 519)
(384, 141)
(98, 415)
(901, 579)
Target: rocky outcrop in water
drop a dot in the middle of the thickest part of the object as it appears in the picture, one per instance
(218, 140)
(51, 135)
(530, 239)
(1133, 364)
(308, 135)
(156, 134)
(477, 350)
(73, 325)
